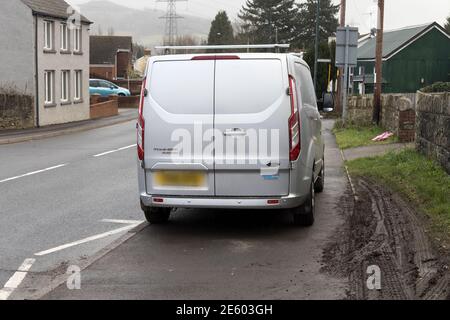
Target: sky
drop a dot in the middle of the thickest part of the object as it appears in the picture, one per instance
(360, 13)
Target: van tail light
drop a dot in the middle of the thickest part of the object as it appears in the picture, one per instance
(294, 122)
(141, 123)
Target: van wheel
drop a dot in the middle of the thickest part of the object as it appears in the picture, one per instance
(157, 215)
(320, 183)
(304, 215)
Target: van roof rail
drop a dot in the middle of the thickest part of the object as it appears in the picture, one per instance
(168, 49)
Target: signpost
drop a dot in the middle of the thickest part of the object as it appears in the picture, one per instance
(346, 56)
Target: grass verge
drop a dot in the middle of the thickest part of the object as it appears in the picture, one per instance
(355, 136)
(420, 180)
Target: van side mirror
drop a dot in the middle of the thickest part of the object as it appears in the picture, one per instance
(327, 104)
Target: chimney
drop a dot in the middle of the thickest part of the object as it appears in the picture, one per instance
(147, 52)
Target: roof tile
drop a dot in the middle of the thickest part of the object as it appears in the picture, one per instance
(392, 40)
(53, 8)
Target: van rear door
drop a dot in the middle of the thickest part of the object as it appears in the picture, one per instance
(178, 111)
(252, 109)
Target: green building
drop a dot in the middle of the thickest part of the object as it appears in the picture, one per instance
(413, 57)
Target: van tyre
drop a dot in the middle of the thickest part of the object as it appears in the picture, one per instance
(320, 182)
(304, 215)
(157, 215)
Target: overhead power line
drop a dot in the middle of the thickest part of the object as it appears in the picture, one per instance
(171, 17)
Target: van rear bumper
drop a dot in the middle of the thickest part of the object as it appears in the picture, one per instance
(288, 202)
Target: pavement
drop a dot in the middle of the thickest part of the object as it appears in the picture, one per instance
(374, 150)
(16, 136)
(200, 254)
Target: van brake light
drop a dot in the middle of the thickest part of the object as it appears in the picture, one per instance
(141, 123)
(226, 57)
(294, 122)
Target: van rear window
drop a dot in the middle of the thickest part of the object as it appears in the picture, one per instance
(183, 87)
(248, 86)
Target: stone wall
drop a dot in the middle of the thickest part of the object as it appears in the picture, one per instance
(433, 127)
(397, 114)
(16, 111)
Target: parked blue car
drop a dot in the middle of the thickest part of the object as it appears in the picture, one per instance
(106, 88)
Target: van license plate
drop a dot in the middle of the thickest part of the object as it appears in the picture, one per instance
(180, 178)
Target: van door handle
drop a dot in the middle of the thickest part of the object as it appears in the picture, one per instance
(235, 132)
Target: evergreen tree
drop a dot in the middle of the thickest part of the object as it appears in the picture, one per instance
(306, 26)
(447, 25)
(326, 51)
(221, 31)
(265, 20)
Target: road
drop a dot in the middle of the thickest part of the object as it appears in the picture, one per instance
(200, 254)
(68, 203)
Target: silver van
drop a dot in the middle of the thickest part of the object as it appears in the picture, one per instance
(229, 131)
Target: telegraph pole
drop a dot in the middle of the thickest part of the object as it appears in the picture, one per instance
(316, 51)
(171, 17)
(379, 64)
(341, 70)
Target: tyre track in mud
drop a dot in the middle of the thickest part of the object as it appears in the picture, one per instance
(382, 230)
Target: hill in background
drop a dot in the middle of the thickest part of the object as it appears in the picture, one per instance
(143, 25)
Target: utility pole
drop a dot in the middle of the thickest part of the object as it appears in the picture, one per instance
(171, 17)
(316, 51)
(341, 70)
(379, 64)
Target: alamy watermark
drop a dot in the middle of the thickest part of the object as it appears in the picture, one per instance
(374, 277)
(74, 280)
(74, 17)
(258, 147)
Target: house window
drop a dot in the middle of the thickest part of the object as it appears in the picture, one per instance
(64, 32)
(78, 85)
(48, 35)
(77, 39)
(49, 87)
(65, 85)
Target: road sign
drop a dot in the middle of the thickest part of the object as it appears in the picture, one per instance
(346, 46)
(346, 56)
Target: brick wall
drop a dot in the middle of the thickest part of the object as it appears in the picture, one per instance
(107, 72)
(397, 114)
(123, 59)
(129, 102)
(16, 111)
(433, 127)
(102, 107)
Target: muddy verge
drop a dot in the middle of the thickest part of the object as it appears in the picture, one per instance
(384, 250)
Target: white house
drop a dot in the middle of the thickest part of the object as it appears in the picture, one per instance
(45, 53)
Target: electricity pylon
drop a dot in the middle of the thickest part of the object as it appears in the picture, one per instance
(171, 17)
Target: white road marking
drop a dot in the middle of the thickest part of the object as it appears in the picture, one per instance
(113, 151)
(88, 239)
(17, 278)
(123, 221)
(33, 173)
